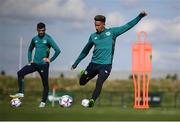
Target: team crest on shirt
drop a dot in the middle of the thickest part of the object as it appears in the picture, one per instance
(44, 41)
(108, 33)
(36, 41)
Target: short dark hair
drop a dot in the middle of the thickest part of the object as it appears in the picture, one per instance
(41, 25)
(100, 18)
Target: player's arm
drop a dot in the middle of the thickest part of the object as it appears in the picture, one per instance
(56, 49)
(83, 53)
(30, 49)
(120, 30)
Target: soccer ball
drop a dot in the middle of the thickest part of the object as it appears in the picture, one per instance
(85, 102)
(65, 101)
(15, 102)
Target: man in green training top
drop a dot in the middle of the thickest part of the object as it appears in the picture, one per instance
(103, 41)
(42, 44)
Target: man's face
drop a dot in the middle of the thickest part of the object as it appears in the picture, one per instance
(41, 32)
(99, 26)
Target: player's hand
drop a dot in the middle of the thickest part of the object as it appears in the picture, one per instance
(73, 67)
(29, 63)
(143, 14)
(46, 60)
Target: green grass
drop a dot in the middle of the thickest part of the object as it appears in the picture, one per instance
(112, 91)
(30, 111)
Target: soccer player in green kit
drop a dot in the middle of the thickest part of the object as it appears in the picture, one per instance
(42, 44)
(103, 41)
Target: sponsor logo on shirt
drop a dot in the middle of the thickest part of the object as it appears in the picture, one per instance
(95, 38)
(44, 41)
(108, 33)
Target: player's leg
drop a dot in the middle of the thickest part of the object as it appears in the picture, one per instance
(44, 73)
(104, 71)
(88, 74)
(21, 73)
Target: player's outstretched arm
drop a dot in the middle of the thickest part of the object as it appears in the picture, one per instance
(143, 14)
(122, 29)
(83, 54)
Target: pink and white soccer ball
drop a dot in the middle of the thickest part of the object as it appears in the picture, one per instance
(65, 101)
(15, 102)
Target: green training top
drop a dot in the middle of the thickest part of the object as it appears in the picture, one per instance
(42, 49)
(104, 43)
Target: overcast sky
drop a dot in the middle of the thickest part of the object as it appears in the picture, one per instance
(70, 23)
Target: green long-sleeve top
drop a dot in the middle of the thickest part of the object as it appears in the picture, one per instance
(42, 49)
(104, 43)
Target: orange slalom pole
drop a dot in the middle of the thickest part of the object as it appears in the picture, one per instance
(142, 67)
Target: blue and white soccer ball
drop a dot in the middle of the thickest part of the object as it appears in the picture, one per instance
(16, 102)
(65, 101)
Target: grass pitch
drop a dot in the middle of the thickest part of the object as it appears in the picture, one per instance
(30, 111)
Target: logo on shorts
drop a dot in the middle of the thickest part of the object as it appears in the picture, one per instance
(106, 71)
(85, 72)
(42, 71)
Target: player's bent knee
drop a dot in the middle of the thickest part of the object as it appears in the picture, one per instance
(82, 83)
(19, 73)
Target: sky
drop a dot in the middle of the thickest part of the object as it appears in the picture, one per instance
(70, 23)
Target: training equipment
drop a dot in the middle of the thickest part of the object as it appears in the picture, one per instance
(141, 70)
(65, 101)
(15, 102)
(85, 102)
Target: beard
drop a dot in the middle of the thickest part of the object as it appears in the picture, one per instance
(98, 31)
(41, 35)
